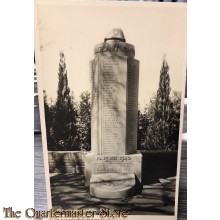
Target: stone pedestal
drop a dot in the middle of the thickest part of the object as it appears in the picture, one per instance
(101, 164)
(114, 111)
(112, 185)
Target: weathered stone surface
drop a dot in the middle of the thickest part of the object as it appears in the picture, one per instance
(114, 106)
(112, 185)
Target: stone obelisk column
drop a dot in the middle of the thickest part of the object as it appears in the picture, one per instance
(114, 112)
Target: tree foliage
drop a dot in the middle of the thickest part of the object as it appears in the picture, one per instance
(61, 117)
(84, 121)
(162, 116)
(49, 114)
(142, 129)
(65, 115)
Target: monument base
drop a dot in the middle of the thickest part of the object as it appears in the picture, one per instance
(112, 185)
(101, 164)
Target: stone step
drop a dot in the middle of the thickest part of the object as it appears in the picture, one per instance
(112, 185)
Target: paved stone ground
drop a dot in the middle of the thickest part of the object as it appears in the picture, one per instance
(69, 192)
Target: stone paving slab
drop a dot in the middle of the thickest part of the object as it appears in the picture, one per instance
(69, 192)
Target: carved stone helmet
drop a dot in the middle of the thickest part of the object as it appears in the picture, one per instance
(115, 34)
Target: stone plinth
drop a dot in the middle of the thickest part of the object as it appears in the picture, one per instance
(112, 185)
(101, 164)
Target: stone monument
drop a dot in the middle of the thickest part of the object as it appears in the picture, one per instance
(113, 167)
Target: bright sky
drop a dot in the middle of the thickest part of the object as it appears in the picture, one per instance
(75, 29)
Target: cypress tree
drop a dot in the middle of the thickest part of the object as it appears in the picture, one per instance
(162, 116)
(65, 116)
(163, 107)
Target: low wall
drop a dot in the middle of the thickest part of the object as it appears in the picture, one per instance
(158, 164)
(66, 161)
(155, 164)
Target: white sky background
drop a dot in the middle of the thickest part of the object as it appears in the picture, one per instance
(75, 29)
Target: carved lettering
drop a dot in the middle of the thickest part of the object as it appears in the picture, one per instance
(113, 167)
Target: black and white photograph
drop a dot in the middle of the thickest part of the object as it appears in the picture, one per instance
(111, 84)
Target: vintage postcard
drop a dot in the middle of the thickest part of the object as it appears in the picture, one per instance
(111, 82)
